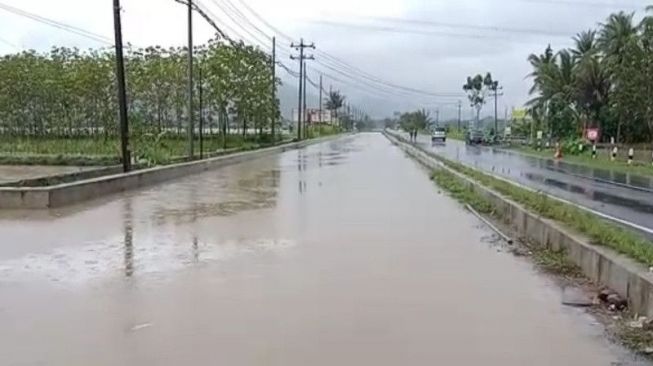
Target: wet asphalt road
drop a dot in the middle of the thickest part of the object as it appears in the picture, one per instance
(584, 186)
(342, 253)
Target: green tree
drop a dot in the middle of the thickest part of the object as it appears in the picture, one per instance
(335, 101)
(477, 89)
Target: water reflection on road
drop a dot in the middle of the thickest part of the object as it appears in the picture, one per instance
(341, 253)
(571, 182)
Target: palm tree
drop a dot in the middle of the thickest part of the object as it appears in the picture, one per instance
(586, 44)
(592, 87)
(540, 63)
(615, 36)
(555, 84)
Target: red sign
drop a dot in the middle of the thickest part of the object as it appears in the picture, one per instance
(592, 134)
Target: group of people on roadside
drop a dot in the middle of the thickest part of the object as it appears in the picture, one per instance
(413, 135)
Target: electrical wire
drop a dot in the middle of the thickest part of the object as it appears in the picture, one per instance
(10, 44)
(430, 23)
(618, 5)
(234, 19)
(342, 66)
(57, 24)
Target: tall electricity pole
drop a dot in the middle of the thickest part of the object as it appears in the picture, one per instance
(331, 112)
(122, 93)
(320, 108)
(460, 110)
(190, 80)
(274, 87)
(199, 102)
(300, 47)
(437, 117)
(496, 88)
(304, 112)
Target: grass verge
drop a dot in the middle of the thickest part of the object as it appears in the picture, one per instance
(554, 261)
(601, 162)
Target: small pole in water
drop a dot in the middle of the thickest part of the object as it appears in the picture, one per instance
(631, 155)
(593, 149)
(615, 150)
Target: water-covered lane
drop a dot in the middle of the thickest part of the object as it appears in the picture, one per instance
(340, 253)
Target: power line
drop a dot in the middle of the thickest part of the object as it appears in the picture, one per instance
(351, 71)
(265, 22)
(399, 30)
(56, 24)
(233, 17)
(242, 16)
(199, 8)
(10, 44)
(618, 5)
(412, 21)
(370, 83)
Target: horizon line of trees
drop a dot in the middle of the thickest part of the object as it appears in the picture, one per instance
(67, 92)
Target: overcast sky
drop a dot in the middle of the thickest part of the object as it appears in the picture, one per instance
(465, 37)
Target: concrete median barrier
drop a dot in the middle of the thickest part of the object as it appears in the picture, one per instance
(70, 193)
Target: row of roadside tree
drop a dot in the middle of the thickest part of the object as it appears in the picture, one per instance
(605, 81)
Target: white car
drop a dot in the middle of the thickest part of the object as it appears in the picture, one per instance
(439, 135)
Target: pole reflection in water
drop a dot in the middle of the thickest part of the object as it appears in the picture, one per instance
(128, 241)
(196, 250)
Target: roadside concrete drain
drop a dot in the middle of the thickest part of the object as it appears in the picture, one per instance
(572, 296)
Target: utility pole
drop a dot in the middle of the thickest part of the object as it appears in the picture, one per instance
(201, 112)
(300, 47)
(437, 117)
(304, 113)
(496, 89)
(331, 112)
(274, 86)
(349, 114)
(190, 80)
(320, 108)
(460, 109)
(122, 94)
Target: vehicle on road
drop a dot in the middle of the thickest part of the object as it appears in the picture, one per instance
(439, 134)
(474, 137)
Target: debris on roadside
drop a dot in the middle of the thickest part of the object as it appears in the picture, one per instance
(573, 296)
(638, 324)
(613, 301)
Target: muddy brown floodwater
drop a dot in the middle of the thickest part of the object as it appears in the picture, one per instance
(342, 253)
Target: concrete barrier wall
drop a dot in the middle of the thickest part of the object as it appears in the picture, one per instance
(69, 193)
(630, 279)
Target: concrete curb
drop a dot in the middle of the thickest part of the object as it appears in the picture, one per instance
(628, 278)
(69, 193)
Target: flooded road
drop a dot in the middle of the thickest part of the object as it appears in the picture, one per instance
(342, 253)
(616, 194)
